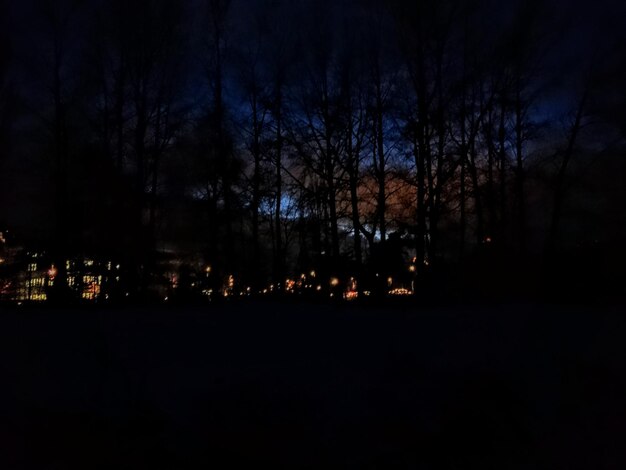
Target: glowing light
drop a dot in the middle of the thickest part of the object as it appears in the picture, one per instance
(351, 295)
(412, 268)
(400, 291)
(487, 239)
(334, 281)
(389, 281)
(312, 273)
(318, 288)
(52, 272)
(92, 287)
(207, 270)
(1, 260)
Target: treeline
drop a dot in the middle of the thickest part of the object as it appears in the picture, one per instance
(268, 137)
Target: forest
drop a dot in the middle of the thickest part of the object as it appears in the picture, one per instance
(240, 146)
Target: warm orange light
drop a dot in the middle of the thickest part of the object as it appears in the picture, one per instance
(334, 281)
(351, 295)
(412, 268)
(400, 291)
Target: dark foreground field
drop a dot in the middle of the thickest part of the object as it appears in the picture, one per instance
(244, 385)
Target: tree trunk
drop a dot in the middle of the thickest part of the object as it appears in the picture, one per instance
(380, 164)
(478, 207)
(502, 174)
(256, 188)
(421, 157)
(462, 219)
(353, 175)
(559, 190)
(61, 177)
(520, 199)
(491, 201)
(278, 256)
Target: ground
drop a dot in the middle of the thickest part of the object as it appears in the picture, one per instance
(313, 386)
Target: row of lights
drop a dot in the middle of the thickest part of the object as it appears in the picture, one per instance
(291, 285)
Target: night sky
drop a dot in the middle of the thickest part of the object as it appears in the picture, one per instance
(565, 40)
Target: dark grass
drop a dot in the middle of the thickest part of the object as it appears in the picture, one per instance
(314, 386)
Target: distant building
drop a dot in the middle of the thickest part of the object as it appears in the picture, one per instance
(32, 283)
